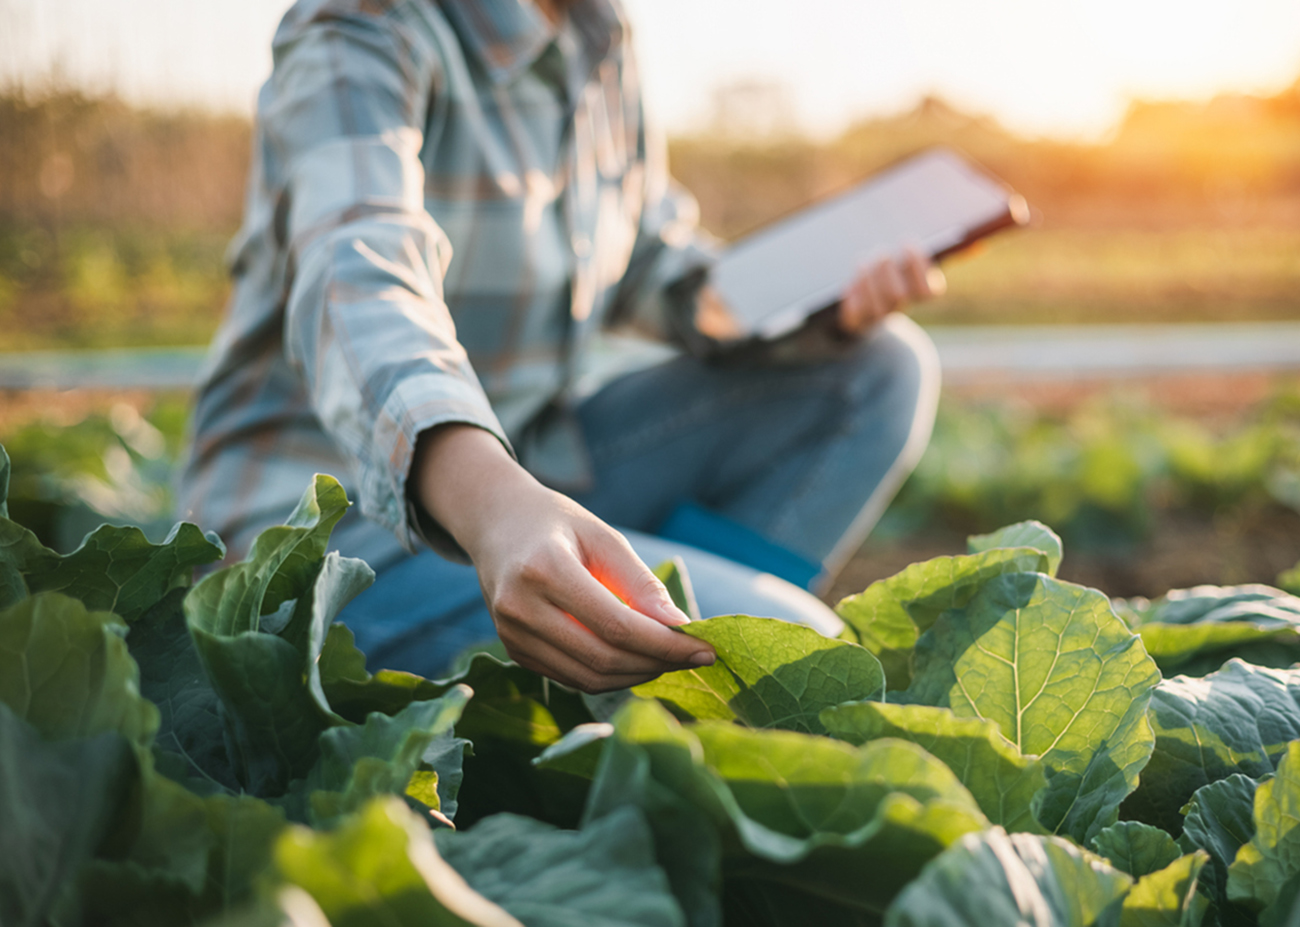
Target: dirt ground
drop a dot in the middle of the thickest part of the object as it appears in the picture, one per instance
(1180, 552)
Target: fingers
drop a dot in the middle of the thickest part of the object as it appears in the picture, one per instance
(556, 615)
(924, 278)
(886, 286)
(566, 650)
(541, 657)
(615, 565)
(576, 591)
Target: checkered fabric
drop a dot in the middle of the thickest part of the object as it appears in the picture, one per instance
(449, 200)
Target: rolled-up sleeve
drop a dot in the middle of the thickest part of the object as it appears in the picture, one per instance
(365, 322)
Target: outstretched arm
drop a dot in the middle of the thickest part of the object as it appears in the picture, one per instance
(568, 596)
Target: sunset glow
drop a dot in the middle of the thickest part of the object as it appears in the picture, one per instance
(1064, 68)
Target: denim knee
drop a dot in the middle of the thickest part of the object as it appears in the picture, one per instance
(899, 359)
(894, 392)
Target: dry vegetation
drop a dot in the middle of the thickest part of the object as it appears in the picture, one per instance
(113, 220)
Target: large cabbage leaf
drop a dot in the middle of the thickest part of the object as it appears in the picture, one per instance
(59, 800)
(380, 867)
(1168, 897)
(1033, 534)
(1220, 820)
(768, 673)
(891, 614)
(998, 878)
(1238, 720)
(1195, 631)
(1005, 782)
(1258, 878)
(379, 757)
(1061, 676)
(801, 815)
(1136, 848)
(602, 876)
(115, 569)
(67, 671)
(272, 704)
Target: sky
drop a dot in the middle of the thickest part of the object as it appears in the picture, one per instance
(1063, 68)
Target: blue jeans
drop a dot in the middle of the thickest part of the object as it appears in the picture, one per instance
(806, 454)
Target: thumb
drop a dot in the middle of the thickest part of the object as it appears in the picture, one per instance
(610, 559)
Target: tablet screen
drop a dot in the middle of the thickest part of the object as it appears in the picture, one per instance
(936, 201)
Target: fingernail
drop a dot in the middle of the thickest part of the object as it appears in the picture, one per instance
(674, 616)
(703, 658)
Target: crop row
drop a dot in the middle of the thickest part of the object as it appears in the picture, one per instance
(986, 745)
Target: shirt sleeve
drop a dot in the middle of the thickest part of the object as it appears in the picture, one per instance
(365, 322)
(672, 254)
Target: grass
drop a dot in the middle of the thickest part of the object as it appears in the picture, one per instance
(93, 287)
(1071, 275)
(97, 287)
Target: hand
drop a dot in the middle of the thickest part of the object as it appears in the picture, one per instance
(886, 286)
(552, 573)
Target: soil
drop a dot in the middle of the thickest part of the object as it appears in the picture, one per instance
(1182, 550)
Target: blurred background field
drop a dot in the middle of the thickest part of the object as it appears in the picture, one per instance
(114, 220)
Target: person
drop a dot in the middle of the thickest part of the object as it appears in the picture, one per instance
(453, 206)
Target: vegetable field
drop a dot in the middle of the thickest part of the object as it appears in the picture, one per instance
(987, 744)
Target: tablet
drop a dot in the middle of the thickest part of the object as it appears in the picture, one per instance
(937, 201)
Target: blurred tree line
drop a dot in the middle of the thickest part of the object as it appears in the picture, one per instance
(114, 220)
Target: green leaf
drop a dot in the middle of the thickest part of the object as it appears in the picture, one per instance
(1195, 631)
(272, 703)
(281, 567)
(114, 569)
(1199, 649)
(892, 613)
(847, 824)
(354, 693)
(790, 794)
(1289, 580)
(119, 570)
(1032, 534)
(20, 551)
(1272, 857)
(999, 777)
(995, 878)
(380, 867)
(340, 580)
(514, 715)
(190, 744)
(1221, 604)
(602, 876)
(161, 877)
(1061, 676)
(1136, 848)
(768, 673)
(1167, 897)
(67, 671)
(1236, 720)
(245, 831)
(672, 573)
(655, 765)
(59, 800)
(379, 757)
(577, 752)
(1220, 820)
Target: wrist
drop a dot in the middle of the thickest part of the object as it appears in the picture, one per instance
(462, 474)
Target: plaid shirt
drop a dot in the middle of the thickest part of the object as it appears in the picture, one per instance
(449, 199)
